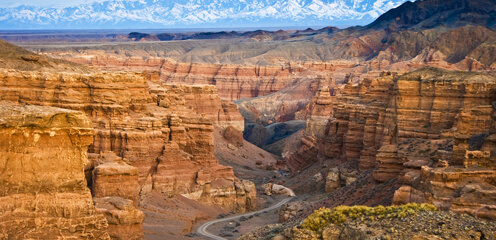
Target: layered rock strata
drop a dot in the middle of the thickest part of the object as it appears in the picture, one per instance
(203, 99)
(464, 181)
(431, 129)
(124, 220)
(354, 126)
(129, 118)
(387, 110)
(43, 188)
(115, 191)
(233, 81)
(321, 110)
(113, 176)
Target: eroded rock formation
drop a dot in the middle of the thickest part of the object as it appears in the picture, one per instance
(113, 176)
(124, 220)
(431, 129)
(166, 148)
(462, 181)
(203, 99)
(43, 188)
(115, 190)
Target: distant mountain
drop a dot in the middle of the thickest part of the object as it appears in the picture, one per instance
(195, 13)
(438, 13)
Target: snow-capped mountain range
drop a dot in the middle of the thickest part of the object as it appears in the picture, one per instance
(193, 13)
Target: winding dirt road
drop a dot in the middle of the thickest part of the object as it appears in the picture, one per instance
(203, 228)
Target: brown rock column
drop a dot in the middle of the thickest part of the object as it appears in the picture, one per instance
(43, 193)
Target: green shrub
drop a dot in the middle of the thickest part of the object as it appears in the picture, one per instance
(323, 217)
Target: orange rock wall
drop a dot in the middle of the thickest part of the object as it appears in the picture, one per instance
(129, 120)
(43, 191)
(375, 112)
(232, 81)
(422, 128)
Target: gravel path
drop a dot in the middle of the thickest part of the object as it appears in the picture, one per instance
(203, 228)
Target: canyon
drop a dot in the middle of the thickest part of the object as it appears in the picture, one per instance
(143, 138)
(173, 132)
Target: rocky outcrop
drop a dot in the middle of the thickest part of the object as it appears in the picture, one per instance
(115, 191)
(113, 176)
(431, 103)
(463, 181)
(387, 110)
(431, 129)
(354, 127)
(200, 178)
(321, 110)
(132, 119)
(203, 99)
(463, 190)
(306, 154)
(233, 136)
(43, 188)
(290, 211)
(125, 221)
(338, 177)
(277, 189)
(425, 129)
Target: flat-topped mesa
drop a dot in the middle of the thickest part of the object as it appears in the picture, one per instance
(43, 188)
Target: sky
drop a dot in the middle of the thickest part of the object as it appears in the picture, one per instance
(74, 14)
(44, 3)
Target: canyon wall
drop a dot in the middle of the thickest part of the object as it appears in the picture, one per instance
(154, 137)
(411, 127)
(336, 127)
(233, 81)
(244, 81)
(463, 180)
(114, 186)
(389, 109)
(43, 187)
(247, 69)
